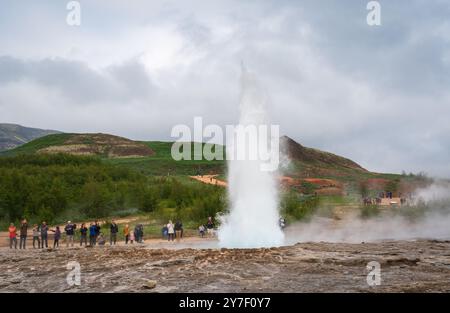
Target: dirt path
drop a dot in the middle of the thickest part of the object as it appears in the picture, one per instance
(325, 186)
(210, 179)
(406, 266)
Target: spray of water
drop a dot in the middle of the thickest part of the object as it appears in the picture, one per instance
(253, 217)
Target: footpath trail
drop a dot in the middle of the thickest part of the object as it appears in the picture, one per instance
(324, 186)
(210, 179)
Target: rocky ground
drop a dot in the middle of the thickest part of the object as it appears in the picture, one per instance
(406, 266)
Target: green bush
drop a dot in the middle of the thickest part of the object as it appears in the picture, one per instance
(46, 186)
(298, 207)
(96, 199)
(148, 199)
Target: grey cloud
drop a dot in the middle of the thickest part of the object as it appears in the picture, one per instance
(134, 80)
(378, 95)
(77, 81)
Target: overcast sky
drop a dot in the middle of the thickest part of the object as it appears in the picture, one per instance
(376, 94)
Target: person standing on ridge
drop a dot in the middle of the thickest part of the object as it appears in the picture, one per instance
(36, 235)
(136, 233)
(44, 235)
(114, 229)
(210, 227)
(57, 232)
(101, 240)
(132, 237)
(92, 234)
(126, 233)
(70, 230)
(170, 231)
(141, 233)
(23, 234)
(12, 236)
(83, 235)
(201, 230)
(178, 230)
(164, 231)
(97, 230)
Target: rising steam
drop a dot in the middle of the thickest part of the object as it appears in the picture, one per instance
(428, 217)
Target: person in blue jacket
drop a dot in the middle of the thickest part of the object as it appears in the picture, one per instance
(92, 234)
(83, 235)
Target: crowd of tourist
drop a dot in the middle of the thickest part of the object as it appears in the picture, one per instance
(170, 231)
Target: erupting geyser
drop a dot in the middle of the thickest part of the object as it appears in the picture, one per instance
(253, 218)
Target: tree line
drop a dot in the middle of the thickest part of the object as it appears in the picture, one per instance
(51, 187)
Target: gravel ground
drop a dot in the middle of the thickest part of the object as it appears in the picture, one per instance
(406, 266)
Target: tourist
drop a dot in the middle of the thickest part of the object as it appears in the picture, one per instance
(97, 229)
(170, 231)
(57, 232)
(202, 230)
(101, 240)
(282, 223)
(23, 234)
(131, 237)
(164, 231)
(178, 230)
(141, 233)
(83, 235)
(36, 235)
(92, 234)
(114, 229)
(136, 233)
(126, 233)
(12, 236)
(210, 226)
(70, 230)
(44, 235)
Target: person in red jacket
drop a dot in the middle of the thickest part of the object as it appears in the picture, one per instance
(12, 236)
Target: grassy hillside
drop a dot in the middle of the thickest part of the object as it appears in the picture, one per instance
(162, 163)
(154, 158)
(157, 160)
(103, 145)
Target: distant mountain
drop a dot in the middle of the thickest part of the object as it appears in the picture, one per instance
(103, 145)
(13, 135)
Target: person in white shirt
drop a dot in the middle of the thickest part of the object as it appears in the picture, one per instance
(170, 231)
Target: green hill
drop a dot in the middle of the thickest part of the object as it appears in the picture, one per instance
(150, 158)
(154, 157)
(162, 163)
(103, 145)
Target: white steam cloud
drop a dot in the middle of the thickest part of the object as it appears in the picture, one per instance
(433, 222)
